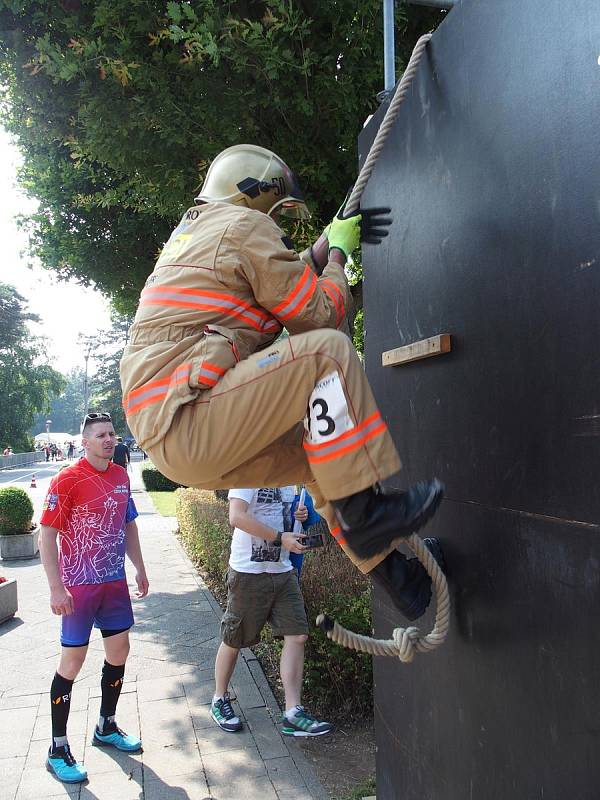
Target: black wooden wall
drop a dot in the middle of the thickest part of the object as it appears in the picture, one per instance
(493, 174)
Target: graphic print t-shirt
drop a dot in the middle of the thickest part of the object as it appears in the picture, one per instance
(90, 509)
(250, 554)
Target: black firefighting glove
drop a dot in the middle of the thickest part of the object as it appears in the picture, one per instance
(373, 222)
(374, 225)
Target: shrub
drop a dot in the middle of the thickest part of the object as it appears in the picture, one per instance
(337, 681)
(16, 511)
(204, 530)
(155, 481)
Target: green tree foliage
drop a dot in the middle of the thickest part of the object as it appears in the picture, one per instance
(27, 382)
(119, 105)
(106, 384)
(66, 410)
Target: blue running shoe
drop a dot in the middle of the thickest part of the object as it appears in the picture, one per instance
(115, 737)
(62, 764)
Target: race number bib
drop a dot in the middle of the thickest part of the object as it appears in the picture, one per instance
(327, 416)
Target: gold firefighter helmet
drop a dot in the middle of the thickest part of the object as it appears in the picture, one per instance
(254, 177)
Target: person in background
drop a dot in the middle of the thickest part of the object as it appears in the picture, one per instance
(290, 499)
(262, 587)
(89, 510)
(121, 456)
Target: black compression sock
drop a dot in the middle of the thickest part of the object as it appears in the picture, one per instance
(60, 704)
(111, 684)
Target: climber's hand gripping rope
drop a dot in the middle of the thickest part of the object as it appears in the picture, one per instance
(347, 230)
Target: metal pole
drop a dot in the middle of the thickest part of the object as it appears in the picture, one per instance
(389, 56)
(85, 386)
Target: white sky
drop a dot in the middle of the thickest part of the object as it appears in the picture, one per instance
(66, 309)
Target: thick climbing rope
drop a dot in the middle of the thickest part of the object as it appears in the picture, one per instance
(387, 124)
(406, 642)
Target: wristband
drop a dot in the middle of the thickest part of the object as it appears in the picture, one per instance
(277, 539)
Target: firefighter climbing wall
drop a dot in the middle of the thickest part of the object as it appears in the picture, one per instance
(492, 171)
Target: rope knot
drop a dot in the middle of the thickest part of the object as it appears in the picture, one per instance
(405, 642)
(404, 639)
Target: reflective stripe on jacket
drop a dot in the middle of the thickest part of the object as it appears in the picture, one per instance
(224, 286)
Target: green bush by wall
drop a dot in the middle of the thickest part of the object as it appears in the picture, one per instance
(16, 511)
(337, 681)
(204, 530)
(155, 481)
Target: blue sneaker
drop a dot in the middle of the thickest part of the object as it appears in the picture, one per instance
(115, 737)
(64, 766)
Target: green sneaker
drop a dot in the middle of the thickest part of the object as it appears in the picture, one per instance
(223, 714)
(304, 724)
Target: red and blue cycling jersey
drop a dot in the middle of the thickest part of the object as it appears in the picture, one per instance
(90, 509)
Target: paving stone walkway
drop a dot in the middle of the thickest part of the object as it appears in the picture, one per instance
(166, 695)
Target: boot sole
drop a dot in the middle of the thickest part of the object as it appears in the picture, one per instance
(381, 544)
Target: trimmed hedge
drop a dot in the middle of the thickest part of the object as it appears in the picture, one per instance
(155, 481)
(204, 530)
(337, 682)
(16, 511)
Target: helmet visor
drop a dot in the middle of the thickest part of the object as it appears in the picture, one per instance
(293, 204)
(291, 207)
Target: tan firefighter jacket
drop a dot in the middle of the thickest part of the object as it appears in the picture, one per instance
(224, 287)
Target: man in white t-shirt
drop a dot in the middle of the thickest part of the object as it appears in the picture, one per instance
(262, 587)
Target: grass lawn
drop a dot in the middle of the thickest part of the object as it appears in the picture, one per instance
(164, 503)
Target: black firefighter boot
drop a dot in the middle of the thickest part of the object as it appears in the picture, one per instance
(371, 519)
(405, 580)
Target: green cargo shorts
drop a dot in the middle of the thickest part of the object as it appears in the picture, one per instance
(253, 600)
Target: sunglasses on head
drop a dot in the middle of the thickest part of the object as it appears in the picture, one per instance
(101, 415)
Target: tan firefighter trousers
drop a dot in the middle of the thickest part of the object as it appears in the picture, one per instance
(253, 428)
